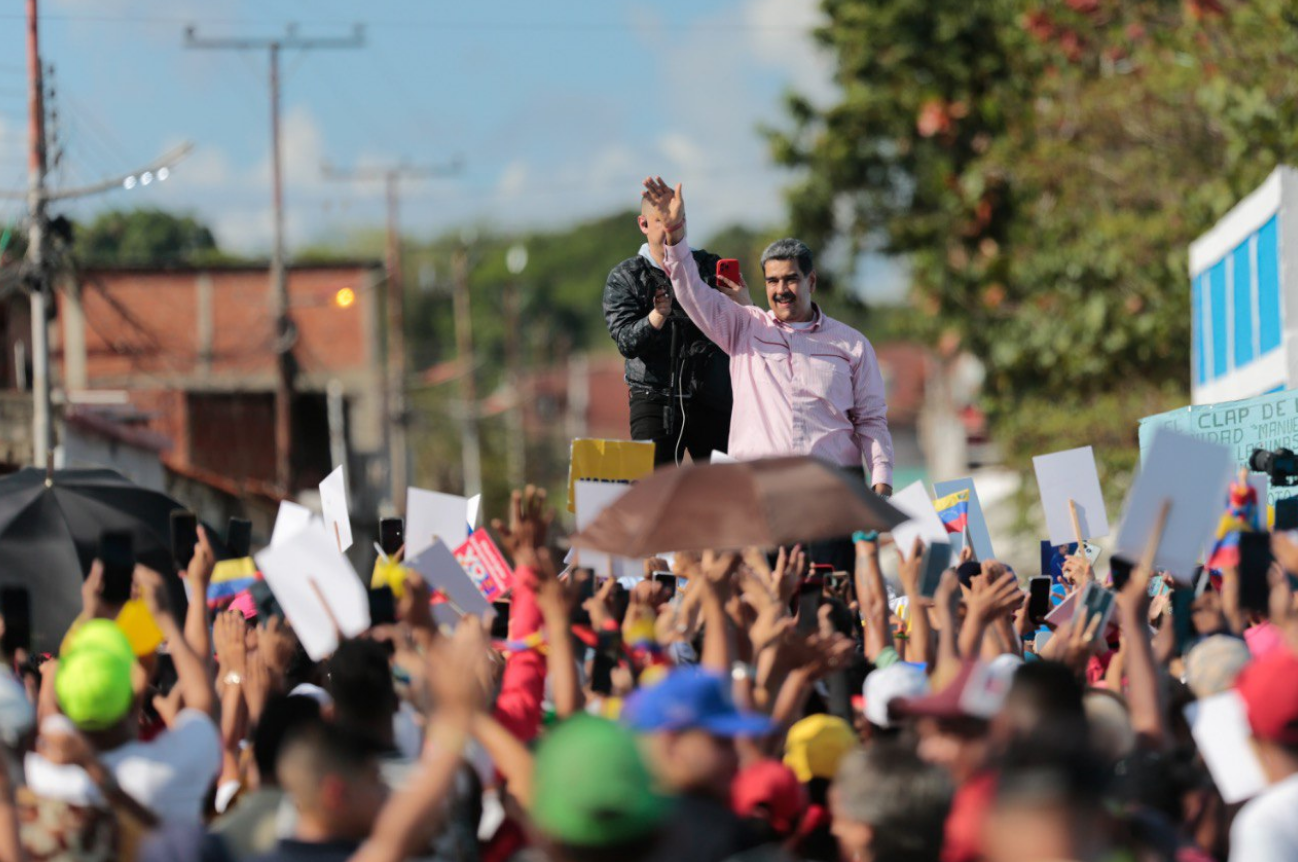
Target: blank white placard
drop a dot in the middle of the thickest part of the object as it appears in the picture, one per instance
(1065, 476)
(333, 502)
(1195, 476)
(431, 515)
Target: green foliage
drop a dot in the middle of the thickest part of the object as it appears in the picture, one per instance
(1044, 166)
(144, 237)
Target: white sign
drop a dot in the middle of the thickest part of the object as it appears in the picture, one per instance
(439, 568)
(591, 499)
(1066, 476)
(924, 523)
(333, 501)
(1194, 477)
(291, 520)
(1219, 725)
(320, 592)
(431, 516)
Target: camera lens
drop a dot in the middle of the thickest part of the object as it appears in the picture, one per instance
(1260, 461)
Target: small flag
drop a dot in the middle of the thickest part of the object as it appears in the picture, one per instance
(953, 509)
(229, 578)
(1241, 516)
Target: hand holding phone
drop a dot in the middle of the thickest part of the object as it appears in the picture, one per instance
(238, 538)
(1038, 598)
(117, 555)
(184, 536)
(727, 268)
(392, 535)
(937, 559)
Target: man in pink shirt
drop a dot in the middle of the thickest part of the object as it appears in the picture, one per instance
(804, 383)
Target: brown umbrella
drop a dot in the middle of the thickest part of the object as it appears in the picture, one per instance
(765, 504)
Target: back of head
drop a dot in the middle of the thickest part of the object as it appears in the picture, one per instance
(904, 801)
(360, 682)
(594, 798)
(281, 718)
(1049, 800)
(332, 777)
(1043, 694)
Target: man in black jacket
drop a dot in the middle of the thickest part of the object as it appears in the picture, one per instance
(679, 380)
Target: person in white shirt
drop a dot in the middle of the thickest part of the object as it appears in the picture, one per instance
(169, 775)
(1266, 829)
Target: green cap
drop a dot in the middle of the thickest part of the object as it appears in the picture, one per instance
(94, 687)
(100, 635)
(591, 787)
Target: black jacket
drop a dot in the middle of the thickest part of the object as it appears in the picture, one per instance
(628, 299)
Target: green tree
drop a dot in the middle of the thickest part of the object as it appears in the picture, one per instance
(1043, 167)
(144, 237)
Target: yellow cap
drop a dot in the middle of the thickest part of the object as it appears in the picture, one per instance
(816, 745)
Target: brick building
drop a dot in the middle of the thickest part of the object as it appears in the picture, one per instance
(191, 352)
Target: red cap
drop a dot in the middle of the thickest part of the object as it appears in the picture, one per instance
(772, 785)
(1269, 688)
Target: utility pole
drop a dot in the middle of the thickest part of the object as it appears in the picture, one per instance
(470, 445)
(39, 258)
(394, 393)
(37, 235)
(516, 445)
(285, 333)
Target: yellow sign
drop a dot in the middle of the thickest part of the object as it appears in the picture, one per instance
(607, 461)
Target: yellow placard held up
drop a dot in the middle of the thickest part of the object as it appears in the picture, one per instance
(140, 628)
(607, 461)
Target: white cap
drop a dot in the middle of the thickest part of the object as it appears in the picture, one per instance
(886, 684)
(315, 692)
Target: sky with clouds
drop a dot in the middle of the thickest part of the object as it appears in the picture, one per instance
(557, 109)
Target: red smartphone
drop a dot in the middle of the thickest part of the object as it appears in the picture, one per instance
(728, 268)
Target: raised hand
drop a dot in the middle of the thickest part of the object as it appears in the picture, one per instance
(669, 204)
(662, 309)
(909, 569)
(458, 667)
(199, 573)
(153, 589)
(995, 593)
(228, 631)
(528, 528)
(736, 292)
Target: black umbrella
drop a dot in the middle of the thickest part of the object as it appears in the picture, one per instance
(49, 535)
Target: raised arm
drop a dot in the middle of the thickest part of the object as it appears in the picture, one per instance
(721, 319)
(869, 415)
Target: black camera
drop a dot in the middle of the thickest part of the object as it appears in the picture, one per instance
(1281, 465)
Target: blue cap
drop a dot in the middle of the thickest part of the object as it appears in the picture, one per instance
(692, 699)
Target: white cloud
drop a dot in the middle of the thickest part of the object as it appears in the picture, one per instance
(780, 32)
(513, 179)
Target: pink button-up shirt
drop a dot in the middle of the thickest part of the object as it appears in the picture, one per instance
(815, 391)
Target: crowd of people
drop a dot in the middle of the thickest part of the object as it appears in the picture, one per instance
(720, 720)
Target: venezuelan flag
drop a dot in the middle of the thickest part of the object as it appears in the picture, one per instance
(1241, 516)
(953, 509)
(229, 578)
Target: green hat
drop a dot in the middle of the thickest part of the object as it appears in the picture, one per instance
(592, 788)
(100, 635)
(94, 688)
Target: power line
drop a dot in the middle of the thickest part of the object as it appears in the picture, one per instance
(406, 24)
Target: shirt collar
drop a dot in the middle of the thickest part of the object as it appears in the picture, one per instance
(648, 255)
(816, 322)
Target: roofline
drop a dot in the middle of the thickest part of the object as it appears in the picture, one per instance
(238, 266)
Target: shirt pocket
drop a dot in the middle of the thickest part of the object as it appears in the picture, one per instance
(774, 356)
(829, 378)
